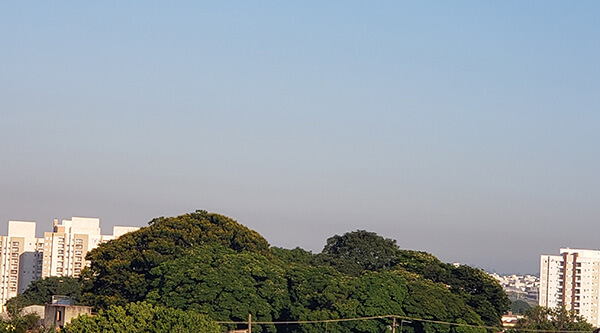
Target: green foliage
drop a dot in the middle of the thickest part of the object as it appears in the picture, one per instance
(556, 319)
(293, 256)
(22, 324)
(120, 270)
(434, 301)
(40, 292)
(142, 318)
(482, 292)
(208, 264)
(478, 289)
(317, 293)
(221, 283)
(519, 306)
(228, 286)
(421, 263)
(378, 294)
(358, 251)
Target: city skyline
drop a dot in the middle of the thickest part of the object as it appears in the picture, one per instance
(468, 130)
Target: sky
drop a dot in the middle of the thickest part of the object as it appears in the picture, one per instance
(467, 129)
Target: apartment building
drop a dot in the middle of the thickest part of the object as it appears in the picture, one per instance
(25, 258)
(571, 280)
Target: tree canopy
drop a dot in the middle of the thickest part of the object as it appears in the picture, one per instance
(120, 270)
(41, 291)
(359, 251)
(211, 265)
(142, 317)
(552, 319)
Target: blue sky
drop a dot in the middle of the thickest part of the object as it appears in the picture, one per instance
(466, 129)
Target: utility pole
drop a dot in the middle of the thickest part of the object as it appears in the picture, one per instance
(249, 323)
(394, 325)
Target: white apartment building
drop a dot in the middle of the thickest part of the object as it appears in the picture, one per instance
(25, 258)
(571, 280)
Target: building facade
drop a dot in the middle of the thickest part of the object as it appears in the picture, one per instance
(25, 258)
(571, 280)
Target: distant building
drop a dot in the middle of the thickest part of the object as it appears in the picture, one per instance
(571, 280)
(510, 320)
(25, 258)
(520, 287)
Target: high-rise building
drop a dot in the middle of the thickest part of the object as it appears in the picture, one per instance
(25, 258)
(571, 280)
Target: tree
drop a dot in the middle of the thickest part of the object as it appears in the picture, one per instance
(378, 294)
(479, 290)
(142, 317)
(120, 270)
(552, 319)
(429, 300)
(223, 284)
(519, 306)
(358, 251)
(294, 256)
(40, 292)
(317, 293)
(482, 292)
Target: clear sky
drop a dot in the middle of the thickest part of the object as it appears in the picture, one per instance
(468, 129)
